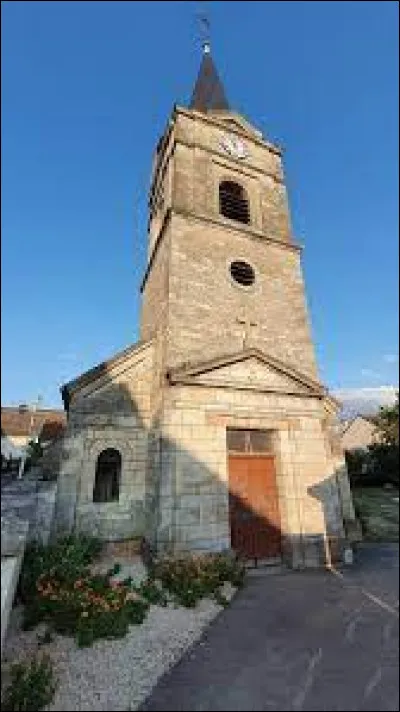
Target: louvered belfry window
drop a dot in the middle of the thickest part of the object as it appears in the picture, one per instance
(233, 203)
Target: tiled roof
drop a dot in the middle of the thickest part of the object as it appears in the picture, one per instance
(21, 421)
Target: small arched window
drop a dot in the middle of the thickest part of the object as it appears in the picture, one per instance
(233, 202)
(107, 478)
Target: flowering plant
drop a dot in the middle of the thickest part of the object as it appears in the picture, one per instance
(191, 577)
(91, 607)
(57, 587)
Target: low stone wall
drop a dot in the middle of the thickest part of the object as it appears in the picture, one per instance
(10, 568)
(14, 533)
(32, 501)
(27, 513)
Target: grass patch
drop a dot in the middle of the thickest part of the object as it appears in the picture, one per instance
(378, 512)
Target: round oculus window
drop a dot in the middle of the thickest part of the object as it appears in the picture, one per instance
(242, 273)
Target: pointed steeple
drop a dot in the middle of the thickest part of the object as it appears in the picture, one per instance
(208, 93)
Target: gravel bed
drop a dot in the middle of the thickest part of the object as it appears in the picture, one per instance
(115, 674)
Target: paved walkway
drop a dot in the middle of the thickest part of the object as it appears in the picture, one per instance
(298, 641)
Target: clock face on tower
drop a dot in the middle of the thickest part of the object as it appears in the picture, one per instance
(233, 145)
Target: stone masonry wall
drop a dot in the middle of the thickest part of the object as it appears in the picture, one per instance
(115, 415)
(126, 517)
(205, 303)
(201, 163)
(188, 283)
(194, 488)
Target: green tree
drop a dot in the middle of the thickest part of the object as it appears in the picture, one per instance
(383, 456)
(34, 452)
(387, 421)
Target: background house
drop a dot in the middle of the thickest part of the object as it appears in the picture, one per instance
(21, 424)
(358, 433)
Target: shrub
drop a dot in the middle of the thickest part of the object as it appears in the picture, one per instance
(384, 462)
(57, 588)
(31, 688)
(192, 577)
(90, 607)
(375, 466)
(357, 462)
(152, 592)
(66, 560)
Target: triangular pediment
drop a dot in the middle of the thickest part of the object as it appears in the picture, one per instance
(249, 370)
(111, 376)
(234, 121)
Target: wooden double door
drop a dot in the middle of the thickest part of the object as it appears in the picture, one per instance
(254, 506)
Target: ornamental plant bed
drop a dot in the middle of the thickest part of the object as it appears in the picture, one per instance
(91, 607)
(66, 560)
(59, 588)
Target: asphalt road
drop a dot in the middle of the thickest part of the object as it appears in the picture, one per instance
(298, 641)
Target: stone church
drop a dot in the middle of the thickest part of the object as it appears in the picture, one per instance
(213, 431)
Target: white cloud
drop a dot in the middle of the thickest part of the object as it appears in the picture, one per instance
(369, 373)
(365, 400)
(391, 358)
(383, 394)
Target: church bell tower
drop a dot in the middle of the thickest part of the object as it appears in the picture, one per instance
(223, 268)
(245, 458)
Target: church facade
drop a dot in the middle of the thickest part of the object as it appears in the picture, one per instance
(213, 431)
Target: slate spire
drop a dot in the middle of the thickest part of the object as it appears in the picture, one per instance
(208, 93)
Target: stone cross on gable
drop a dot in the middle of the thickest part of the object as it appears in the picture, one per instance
(248, 326)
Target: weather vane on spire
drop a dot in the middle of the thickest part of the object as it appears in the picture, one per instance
(204, 23)
(208, 93)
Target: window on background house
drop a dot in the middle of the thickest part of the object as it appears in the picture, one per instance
(233, 202)
(108, 475)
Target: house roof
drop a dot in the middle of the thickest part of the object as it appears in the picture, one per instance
(49, 423)
(349, 423)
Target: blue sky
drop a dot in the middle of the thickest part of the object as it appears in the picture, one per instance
(87, 88)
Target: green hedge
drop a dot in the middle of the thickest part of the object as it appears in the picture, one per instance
(375, 466)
